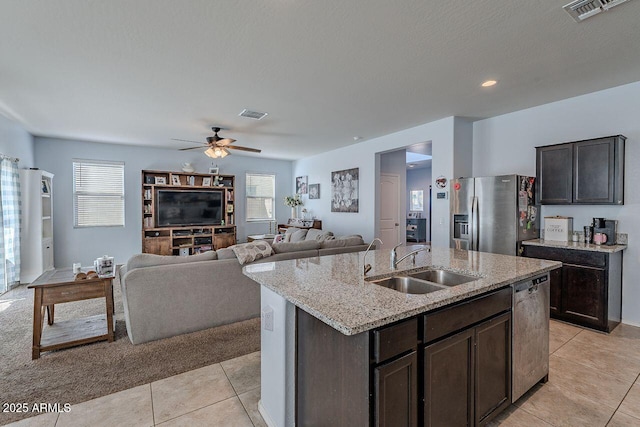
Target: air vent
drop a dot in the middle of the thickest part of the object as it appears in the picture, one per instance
(583, 9)
(256, 115)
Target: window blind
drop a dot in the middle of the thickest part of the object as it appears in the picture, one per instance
(98, 193)
(260, 196)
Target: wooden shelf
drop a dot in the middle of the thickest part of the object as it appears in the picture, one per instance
(169, 240)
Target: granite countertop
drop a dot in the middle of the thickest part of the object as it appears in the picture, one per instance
(333, 288)
(575, 245)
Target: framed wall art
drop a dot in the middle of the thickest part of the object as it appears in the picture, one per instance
(314, 191)
(344, 190)
(301, 185)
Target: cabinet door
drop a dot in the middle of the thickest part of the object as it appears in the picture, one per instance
(554, 171)
(449, 381)
(583, 294)
(224, 240)
(157, 245)
(555, 291)
(396, 388)
(593, 168)
(493, 367)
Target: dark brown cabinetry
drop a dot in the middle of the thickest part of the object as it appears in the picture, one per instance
(450, 367)
(581, 172)
(467, 375)
(587, 290)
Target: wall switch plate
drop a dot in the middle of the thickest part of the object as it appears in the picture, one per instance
(267, 318)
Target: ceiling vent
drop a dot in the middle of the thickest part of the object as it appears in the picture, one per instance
(256, 115)
(583, 9)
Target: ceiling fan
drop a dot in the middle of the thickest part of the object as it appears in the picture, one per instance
(218, 147)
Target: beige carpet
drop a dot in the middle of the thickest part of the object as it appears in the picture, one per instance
(82, 373)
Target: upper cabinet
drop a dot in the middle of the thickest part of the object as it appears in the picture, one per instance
(587, 172)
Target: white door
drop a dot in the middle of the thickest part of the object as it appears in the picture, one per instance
(390, 230)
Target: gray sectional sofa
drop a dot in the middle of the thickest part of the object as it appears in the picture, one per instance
(164, 296)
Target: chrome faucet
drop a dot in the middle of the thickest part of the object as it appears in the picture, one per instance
(367, 267)
(412, 254)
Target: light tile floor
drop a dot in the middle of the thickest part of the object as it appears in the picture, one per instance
(593, 381)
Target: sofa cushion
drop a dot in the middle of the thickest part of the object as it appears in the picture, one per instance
(342, 242)
(298, 236)
(289, 232)
(226, 253)
(249, 252)
(305, 245)
(319, 235)
(150, 260)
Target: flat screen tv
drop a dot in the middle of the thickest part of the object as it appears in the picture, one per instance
(177, 208)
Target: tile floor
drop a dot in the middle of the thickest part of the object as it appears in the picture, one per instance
(593, 381)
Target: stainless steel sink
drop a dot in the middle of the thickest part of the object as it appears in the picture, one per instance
(409, 285)
(442, 277)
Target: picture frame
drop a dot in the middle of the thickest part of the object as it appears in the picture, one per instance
(301, 184)
(175, 180)
(45, 187)
(160, 180)
(206, 181)
(344, 190)
(214, 171)
(314, 191)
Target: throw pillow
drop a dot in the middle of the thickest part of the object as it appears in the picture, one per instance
(248, 252)
(150, 260)
(318, 235)
(279, 238)
(289, 232)
(298, 236)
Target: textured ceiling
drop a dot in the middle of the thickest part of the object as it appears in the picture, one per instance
(142, 72)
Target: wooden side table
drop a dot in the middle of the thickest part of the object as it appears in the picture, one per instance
(253, 237)
(56, 287)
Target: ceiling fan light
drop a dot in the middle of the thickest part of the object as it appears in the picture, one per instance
(210, 152)
(223, 152)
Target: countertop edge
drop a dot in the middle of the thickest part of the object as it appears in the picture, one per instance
(576, 246)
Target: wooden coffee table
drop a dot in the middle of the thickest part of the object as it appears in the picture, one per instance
(56, 287)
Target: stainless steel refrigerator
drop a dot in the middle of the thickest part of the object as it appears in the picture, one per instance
(493, 214)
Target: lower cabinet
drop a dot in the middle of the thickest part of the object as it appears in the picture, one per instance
(396, 391)
(467, 376)
(587, 290)
(451, 367)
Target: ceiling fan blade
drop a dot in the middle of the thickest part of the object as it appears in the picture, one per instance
(237, 147)
(190, 148)
(188, 140)
(225, 141)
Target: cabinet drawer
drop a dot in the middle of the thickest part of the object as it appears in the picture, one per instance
(395, 339)
(460, 316)
(568, 256)
(69, 293)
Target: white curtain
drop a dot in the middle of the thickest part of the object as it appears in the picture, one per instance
(10, 219)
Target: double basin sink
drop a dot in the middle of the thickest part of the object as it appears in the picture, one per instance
(423, 282)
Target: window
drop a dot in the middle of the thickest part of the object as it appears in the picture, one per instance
(98, 193)
(416, 201)
(261, 193)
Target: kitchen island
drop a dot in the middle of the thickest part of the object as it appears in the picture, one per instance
(346, 337)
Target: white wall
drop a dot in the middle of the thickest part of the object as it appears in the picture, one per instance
(420, 179)
(16, 142)
(86, 244)
(506, 144)
(363, 156)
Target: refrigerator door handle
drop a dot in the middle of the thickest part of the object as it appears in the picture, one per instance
(474, 224)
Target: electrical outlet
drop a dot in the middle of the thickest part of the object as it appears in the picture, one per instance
(267, 318)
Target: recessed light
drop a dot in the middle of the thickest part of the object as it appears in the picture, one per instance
(489, 83)
(411, 165)
(357, 138)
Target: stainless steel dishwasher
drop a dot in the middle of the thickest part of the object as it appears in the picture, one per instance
(530, 340)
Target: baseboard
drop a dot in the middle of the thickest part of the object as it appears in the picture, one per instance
(265, 415)
(627, 322)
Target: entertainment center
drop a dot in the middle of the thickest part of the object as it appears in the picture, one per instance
(187, 213)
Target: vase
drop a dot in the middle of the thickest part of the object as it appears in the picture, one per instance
(293, 212)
